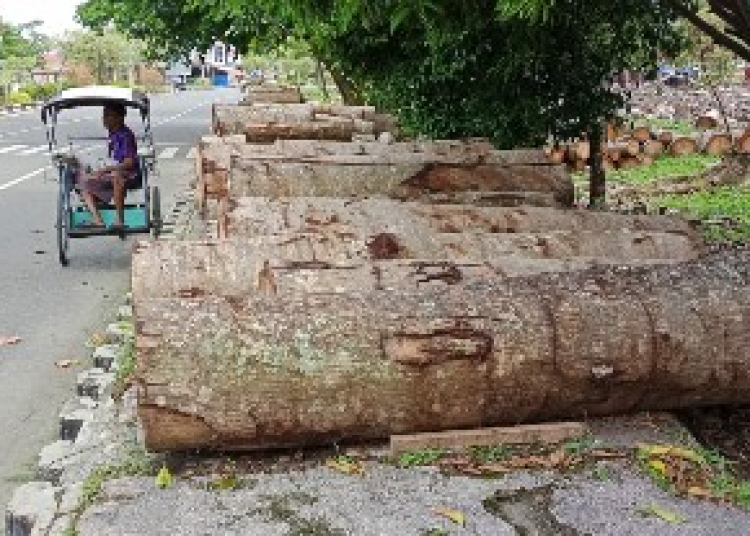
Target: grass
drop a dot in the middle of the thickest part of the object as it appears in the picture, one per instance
(700, 472)
(490, 454)
(680, 127)
(126, 365)
(662, 168)
(417, 458)
(723, 202)
(136, 464)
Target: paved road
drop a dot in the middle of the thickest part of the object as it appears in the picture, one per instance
(55, 309)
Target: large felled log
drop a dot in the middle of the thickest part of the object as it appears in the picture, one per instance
(316, 353)
(377, 229)
(402, 176)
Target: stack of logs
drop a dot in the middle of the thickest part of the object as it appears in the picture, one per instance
(641, 145)
(270, 93)
(362, 289)
(268, 122)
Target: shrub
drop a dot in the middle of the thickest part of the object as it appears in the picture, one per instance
(20, 97)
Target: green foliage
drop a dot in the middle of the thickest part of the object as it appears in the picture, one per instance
(109, 55)
(580, 446)
(447, 68)
(127, 364)
(490, 454)
(40, 92)
(13, 44)
(19, 97)
(416, 458)
(716, 204)
(664, 167)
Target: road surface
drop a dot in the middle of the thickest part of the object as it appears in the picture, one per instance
(54, 309)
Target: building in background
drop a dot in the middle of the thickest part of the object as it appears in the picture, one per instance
(221, 64)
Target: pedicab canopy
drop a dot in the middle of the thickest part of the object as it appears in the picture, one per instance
(96, 96)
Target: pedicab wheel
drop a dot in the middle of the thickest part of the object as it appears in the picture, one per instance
(155, 212)
(63, 225)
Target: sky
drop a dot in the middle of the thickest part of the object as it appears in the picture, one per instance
(57, 15)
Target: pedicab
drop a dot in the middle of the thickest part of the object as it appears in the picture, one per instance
(142, 210)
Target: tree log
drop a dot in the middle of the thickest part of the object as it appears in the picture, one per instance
(641, 134)
(684, 145)
(329, 178)
(325, 229)
(317, 353)
(719, 144)
(653, 148)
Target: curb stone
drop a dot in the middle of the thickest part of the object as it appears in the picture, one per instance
(94, 383)
(73, 414)
(32, 510)
(106, 357)
(94, 432)
(119, 332)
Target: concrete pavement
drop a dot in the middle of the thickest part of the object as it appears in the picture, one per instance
(54, 309)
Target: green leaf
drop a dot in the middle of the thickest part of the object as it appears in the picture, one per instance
(662, 513)
(164, 478)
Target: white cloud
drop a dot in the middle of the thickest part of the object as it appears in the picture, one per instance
(57, 15)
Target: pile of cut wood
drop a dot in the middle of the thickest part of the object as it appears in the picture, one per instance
(272, 93)
(627, 148)
(266, 123)
(362, 289)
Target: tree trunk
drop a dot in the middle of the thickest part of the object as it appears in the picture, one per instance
(598, 185)
(350, 93)
(316, 352)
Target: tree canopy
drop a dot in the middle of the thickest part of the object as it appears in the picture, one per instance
(13, 43)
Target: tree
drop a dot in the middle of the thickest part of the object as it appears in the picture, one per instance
(730, 27)
(108, 56)
(13, 44)
(446, 67)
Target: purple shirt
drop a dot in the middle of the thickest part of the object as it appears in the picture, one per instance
(122, 145)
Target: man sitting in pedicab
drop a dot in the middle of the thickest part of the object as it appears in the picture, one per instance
(122, 173)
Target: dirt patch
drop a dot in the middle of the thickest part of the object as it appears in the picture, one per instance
(725, 429)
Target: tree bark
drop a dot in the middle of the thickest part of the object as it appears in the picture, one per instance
(598, 184)
(316, 352)
(350, 93)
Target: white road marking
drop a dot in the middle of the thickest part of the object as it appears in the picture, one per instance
(169, 152)
(23, 178)
(12, 148)
(34, 150)
(19, 180)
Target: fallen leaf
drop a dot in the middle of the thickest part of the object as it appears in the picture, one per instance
(662, 513)
(672, 451)
(345, 465)
(494, 468)
(67, 363)
(97, 339)
(658, 466)
(701, 493)
(8, 341)
(163, 478)
(604, 453)
(454, 515)
(225, 482)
